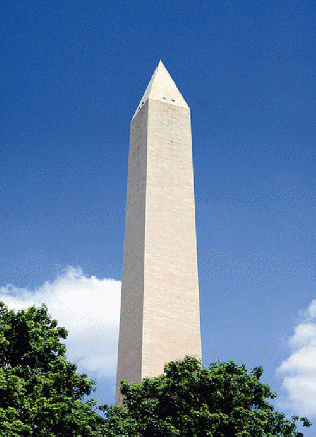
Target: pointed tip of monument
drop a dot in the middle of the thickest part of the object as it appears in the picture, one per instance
(162, 87)
(161, 65)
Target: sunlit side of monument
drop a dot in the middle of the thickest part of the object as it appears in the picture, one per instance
(160, 315)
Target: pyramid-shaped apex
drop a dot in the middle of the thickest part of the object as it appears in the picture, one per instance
(162, 87)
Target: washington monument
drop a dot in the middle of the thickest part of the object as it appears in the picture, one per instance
(160, 314)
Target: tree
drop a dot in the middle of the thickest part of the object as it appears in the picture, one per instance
(191, 400)
(42, 394)
(40, 391)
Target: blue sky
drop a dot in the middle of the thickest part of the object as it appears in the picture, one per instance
(72, 76)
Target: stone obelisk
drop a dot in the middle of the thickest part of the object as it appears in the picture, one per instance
(160, 315)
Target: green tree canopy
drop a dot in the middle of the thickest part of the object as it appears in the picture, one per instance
(192, 400)
(40, 391)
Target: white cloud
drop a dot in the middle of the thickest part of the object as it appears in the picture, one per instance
(87, 307)
(299, 370)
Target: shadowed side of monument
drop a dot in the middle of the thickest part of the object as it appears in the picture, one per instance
(160, 317)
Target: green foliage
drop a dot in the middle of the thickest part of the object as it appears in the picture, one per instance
(40, 391)
(191, 400)
(42, 394)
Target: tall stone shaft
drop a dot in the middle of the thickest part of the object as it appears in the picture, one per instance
(160, 315)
